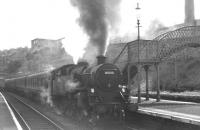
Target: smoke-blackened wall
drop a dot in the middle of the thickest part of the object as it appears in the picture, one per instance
(97, 17)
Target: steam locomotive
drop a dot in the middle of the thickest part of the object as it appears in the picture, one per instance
(95, 90)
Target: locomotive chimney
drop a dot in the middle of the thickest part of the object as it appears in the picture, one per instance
(101, 59)
(189, 12)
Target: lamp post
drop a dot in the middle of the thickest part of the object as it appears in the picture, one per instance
(138, 49)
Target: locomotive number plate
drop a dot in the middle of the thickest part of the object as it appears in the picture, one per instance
(109, 72)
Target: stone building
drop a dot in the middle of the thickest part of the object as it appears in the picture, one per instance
(39, 43)
(48, 52)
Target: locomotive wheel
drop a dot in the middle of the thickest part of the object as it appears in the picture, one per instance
(93, 119)
(69, 112)
(119, 113)
(122, 114)
(80, 114)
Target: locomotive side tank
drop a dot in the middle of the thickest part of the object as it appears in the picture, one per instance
(66, 79)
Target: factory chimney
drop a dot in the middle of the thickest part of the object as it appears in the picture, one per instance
(189, 12)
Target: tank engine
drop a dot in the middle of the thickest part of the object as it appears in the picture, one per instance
(103, 85)
(95, 90)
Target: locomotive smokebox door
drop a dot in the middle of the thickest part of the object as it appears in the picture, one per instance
(106, 78)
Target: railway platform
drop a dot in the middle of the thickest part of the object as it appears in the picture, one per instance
(8, 120)
(187, 112)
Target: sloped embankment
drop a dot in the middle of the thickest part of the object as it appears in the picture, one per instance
(180, 76)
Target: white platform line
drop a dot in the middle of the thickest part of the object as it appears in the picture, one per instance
(165, 101)
(21, 117)
(12, 114)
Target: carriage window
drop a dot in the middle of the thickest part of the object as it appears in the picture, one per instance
(33, 82)
(59, 73)
(41, 81)
(38, 81)
(30, 81)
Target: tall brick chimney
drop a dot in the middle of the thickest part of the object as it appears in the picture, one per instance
(189, 12)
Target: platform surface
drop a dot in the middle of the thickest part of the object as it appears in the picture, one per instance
(7, 119)
(187, 112)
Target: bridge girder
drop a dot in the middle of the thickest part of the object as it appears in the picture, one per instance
(171, 42)
(160, 48)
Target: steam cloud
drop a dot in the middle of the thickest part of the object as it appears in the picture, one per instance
(156, 28)
(70, 85)
(46, 96)
(97, 17)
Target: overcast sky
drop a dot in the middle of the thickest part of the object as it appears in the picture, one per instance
(24, 20)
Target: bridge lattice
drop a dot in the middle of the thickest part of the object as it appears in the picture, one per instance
(161, 47)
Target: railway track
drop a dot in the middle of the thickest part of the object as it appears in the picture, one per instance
(32, 119)
(29, 117)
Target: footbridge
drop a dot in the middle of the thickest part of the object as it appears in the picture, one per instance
(148, 53)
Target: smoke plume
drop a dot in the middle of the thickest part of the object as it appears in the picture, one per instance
(156, 28)
(46, 96)
(97, 17)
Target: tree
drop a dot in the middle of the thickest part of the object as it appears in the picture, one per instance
(14, 66)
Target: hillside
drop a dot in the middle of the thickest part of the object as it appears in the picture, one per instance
(34, 59)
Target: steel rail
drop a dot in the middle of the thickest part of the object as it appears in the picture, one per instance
(20, 116)
(39, 113)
